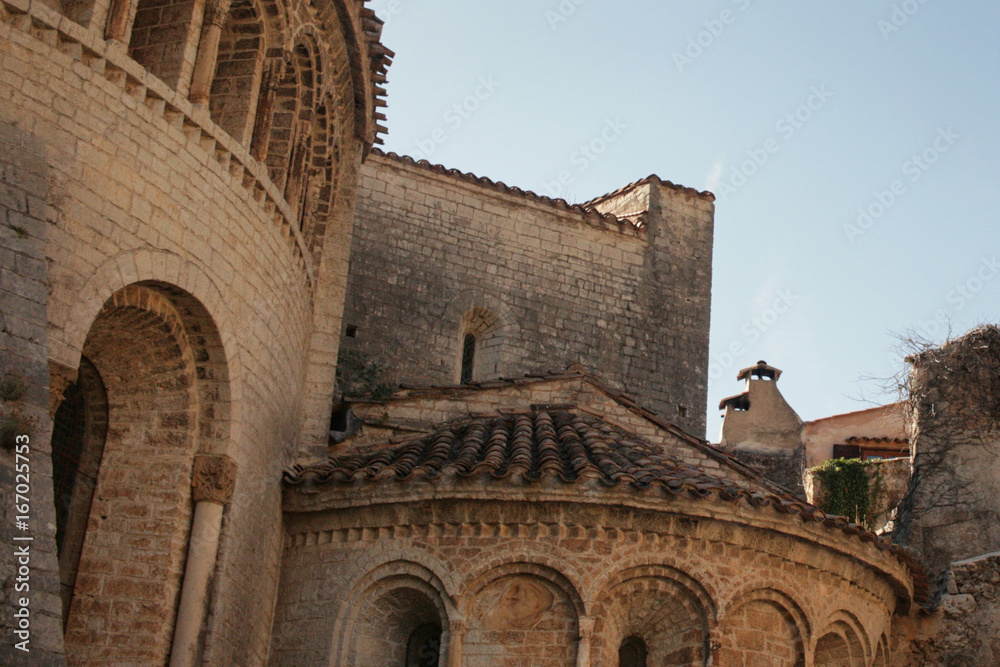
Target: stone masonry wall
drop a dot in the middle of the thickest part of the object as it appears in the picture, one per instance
(523, 580)
(630, 304)
(111, 178)
(963, 628)
(951, 509)
(24, 217)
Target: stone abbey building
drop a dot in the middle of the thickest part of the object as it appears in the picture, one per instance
(203, 256)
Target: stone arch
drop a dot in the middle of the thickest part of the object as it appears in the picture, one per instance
(520, 613)
(667, 609)
(491, 322)
(774, 591)
(320, 184)
(384, 608)
(763, 626)
(313, 38)
(292, 114)
(843, 642)
(163, 41)
(634, 560)
(883, 658)
(475, 584)
(543, 557)
(238, 70)
(275, 16)
(214, 320)
(383, 555)
(164, 370)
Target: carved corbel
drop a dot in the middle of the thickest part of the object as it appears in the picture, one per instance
(213, 479)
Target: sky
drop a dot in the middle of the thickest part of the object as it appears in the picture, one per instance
(853, 147)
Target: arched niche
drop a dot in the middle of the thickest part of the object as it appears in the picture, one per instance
(666, 610)
(400, 621)
(518, 618)
(839, 646)
(238, 70)
(763, 627)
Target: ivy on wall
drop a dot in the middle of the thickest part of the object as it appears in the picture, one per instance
(850, 488)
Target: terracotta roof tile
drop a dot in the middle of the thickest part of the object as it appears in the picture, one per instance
(632, 221)
(854, 439)
(652, 178)
(522, 447)
(431, 391)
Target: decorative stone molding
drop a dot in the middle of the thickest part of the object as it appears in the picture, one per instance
(118, 20)
(213, 479)
(216, 12)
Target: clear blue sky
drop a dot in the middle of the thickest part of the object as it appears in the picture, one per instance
(800, 116)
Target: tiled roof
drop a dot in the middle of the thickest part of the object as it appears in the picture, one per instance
(379, 57)
(575, 372)
(652, 178)
(502, 187)
(565, 447)
(521, 447)
(637, 220)
(854, 440)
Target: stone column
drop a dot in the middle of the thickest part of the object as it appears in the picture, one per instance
(273, 69)
(586, 628)
(208, 50)
(212, 485)
(118, 19)
(456, 636)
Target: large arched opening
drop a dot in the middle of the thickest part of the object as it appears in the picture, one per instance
(151, 392)
(401, 622)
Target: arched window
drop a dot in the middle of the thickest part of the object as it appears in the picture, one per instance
(424, 646)
(468, 357)
(632, 653)
(479, 345)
